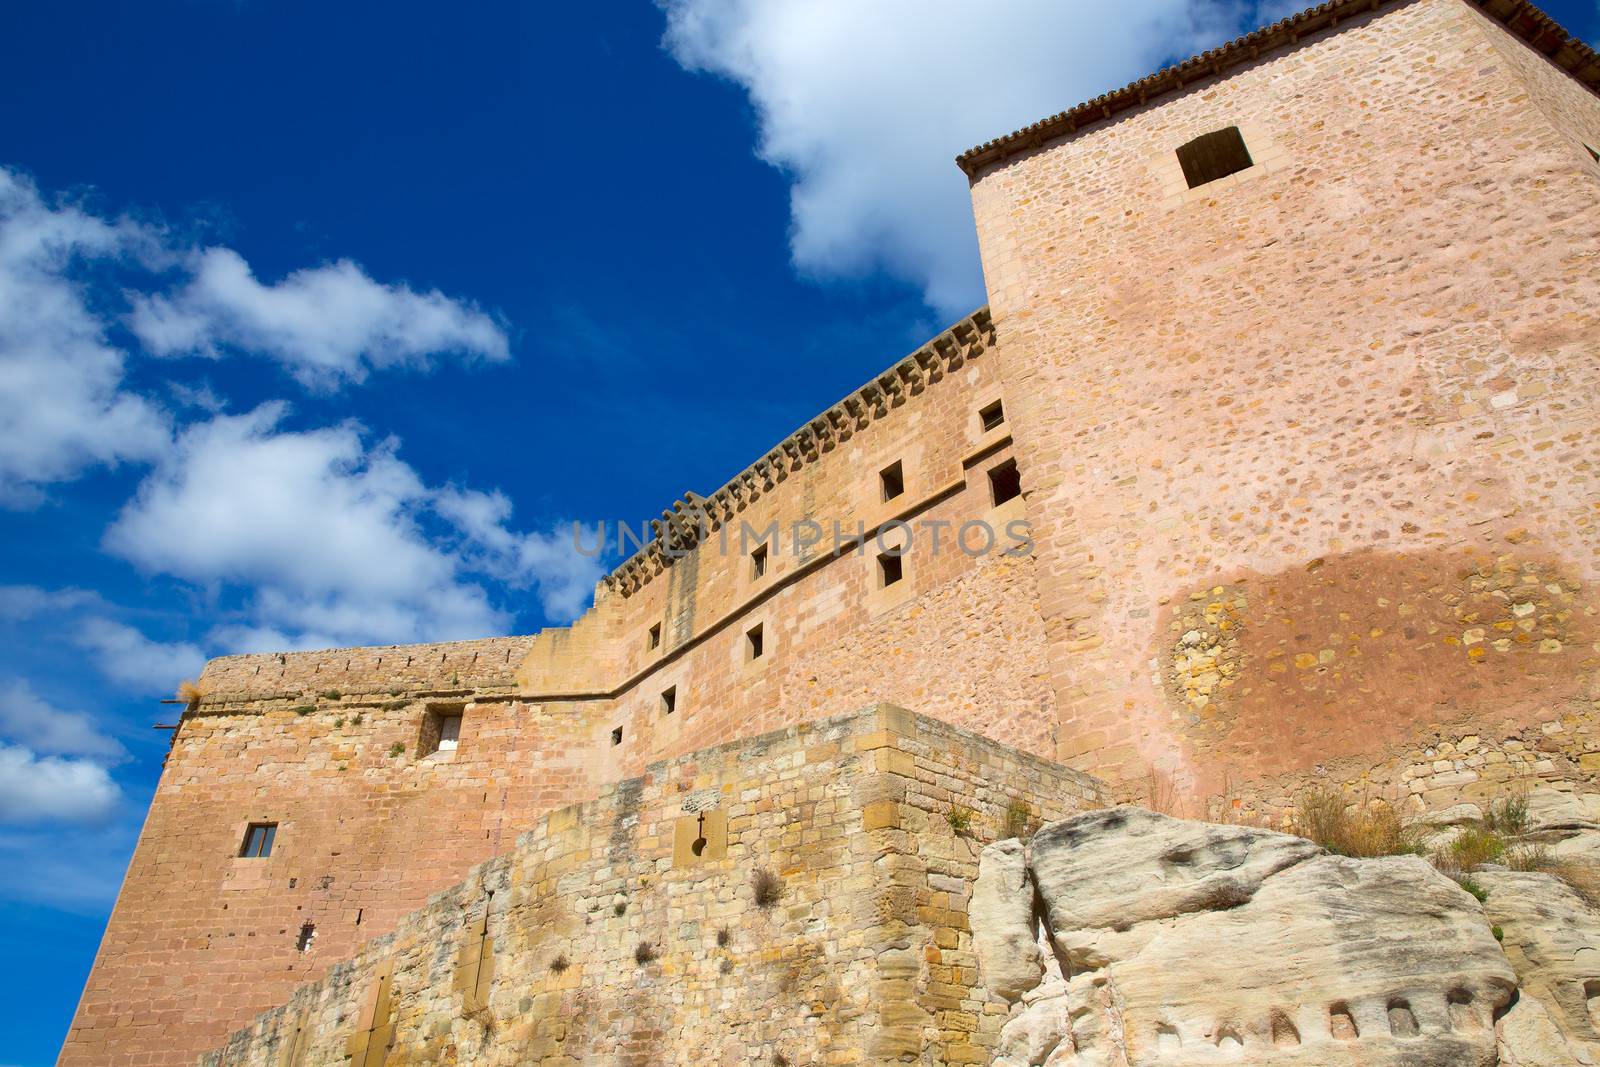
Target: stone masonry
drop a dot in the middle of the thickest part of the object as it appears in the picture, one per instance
(1308, 494)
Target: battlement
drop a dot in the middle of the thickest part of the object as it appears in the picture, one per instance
(688, 520)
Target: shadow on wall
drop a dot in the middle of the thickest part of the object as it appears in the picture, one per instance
(1275, 673)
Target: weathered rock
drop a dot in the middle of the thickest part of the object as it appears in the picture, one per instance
(1552, 938)
(1199, 944)
(1003, 923)
(1350, 961)
(1529, 1037)
(1558, 809)
(1122, 866)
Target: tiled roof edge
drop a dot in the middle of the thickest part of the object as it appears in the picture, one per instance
(1528, 22)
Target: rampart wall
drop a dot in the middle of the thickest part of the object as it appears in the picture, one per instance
(604, 938)
(332, 747)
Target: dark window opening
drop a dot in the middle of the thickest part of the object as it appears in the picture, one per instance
(258, 840)
(669, 700)
(655, 636)
(758, 561)
(753, 642)
(1004, 482)
(441, 729)
(1213, 156)
(308, 934)
(992, 416)
(892, 479)
(891, 568)
(1593, 152)
(616, 736)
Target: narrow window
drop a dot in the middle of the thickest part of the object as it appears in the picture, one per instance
(891, 568)
(441, 729)
(258, 840)
(308, 934)
(892, 479)
(669, 700)
(1004, 482)
(1593, 152)
(758, 561)
(655, 636)
(616, 736)
(992, 416)
(449, 732)
(1212, 156)
(753, 642)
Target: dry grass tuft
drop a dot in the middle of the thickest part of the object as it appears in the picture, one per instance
(645, 953)
(960, 820)
(1161, 795)
(767, 888)
(190, 693)
(1370, 828)
(1508, 816)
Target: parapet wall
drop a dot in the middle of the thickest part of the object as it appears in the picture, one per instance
(605, 937)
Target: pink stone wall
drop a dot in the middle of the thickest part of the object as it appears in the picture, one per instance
(1311, 450)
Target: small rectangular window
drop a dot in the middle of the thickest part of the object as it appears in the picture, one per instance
(1004, 482)
(753, 641)
(891, 568)
(616, 736)
(758, 561)
(449, 732)
(992, 416)
(892, 480)
(669, 700)
(258, 840)
(655, 636)
(1213, 156)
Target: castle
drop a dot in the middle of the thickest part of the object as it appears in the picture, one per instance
(1291, 366)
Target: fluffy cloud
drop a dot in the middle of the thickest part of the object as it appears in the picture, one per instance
(339, 542)
(35, 788)
(126, 655)
(865, 105)
(64, 272)
(327, 325)
(29, 720)
(62, 407)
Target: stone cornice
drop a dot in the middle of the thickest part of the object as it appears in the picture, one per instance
(688, 520)
(1523, 19)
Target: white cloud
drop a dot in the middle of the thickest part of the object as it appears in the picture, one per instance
(62, 408)
(866, 104)
(564, 576)
(18, 602)
(28, 719)
(35, 788)
(339, 541)
(126, 655)
(327, 325)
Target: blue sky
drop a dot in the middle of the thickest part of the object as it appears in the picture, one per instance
(320, 322)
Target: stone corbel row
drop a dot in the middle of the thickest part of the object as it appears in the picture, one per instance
(691, 519)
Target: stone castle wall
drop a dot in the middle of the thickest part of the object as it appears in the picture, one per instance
(1311, 451)
(330, 745)
(1308, 461)
(865, 956)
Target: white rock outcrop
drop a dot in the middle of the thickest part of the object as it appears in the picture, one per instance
(1189, 943)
